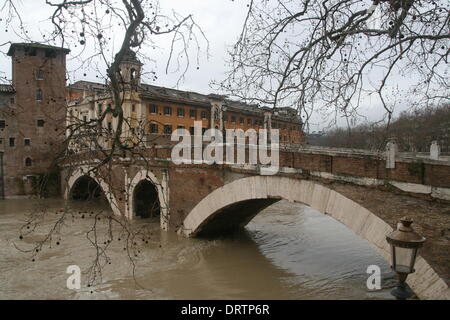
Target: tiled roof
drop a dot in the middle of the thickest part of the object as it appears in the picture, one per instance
(6, 88)
(188, 97)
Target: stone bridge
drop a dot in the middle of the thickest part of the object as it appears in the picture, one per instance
(366, 191)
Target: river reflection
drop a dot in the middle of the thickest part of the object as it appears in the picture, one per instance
(288, 251)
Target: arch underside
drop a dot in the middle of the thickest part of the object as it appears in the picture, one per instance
(233, 217)
(86, 188)
(83, 172)
(146, 202)
(236, 203)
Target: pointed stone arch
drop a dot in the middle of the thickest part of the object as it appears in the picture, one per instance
(261, 191)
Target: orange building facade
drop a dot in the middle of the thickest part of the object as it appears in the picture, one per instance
(155, 112)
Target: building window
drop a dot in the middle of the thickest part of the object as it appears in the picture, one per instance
(225, 118)
(153, 128)
(133, 108)
(39, 74)
(1, 141)
(204, 115)
(233, 119)
(192, 130)
(241, 121)
(167, 129)
(153, 109)
(249, 122)
(2, 124)
(193, 114)
(180, 126)
(203, 131)
(38, 95)
(12, 142)
(27, 142)
(180, 112)
(28, 162)
(40, 123)
(100, 109)
(12, 100)
(168, 111)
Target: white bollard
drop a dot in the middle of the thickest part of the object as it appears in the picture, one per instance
(391, 150)
(435, 150)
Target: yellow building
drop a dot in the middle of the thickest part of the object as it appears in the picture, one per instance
(152, 112)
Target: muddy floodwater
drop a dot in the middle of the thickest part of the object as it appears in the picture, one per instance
(288, 251)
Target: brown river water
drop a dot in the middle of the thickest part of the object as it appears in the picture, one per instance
(288, 251)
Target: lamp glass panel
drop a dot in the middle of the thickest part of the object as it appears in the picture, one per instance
(403, 259)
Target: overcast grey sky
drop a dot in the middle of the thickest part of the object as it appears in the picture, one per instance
(221, 21)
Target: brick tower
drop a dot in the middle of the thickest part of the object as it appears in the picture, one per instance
(34, 119)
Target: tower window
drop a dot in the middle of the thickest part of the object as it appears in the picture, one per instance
(133, 108)
(50, 53)
(133, 74)
(26, 142)
(40, 123)
(30, 51)
(38, 95)
(39, 74)
(28, 162)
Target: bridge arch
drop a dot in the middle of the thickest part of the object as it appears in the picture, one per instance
(83, 173)
(223, 207)
(142, 177)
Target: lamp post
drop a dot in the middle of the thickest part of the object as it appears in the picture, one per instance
(405, 243)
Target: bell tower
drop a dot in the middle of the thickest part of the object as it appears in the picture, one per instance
(130, 70)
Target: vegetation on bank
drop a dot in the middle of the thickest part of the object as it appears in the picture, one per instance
(413, 130)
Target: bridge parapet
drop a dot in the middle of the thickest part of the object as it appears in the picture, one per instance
(410, 174)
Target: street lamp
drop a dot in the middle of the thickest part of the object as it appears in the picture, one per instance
(405, 243)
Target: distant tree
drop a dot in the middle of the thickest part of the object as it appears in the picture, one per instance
(327, 56)
(413, 130)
